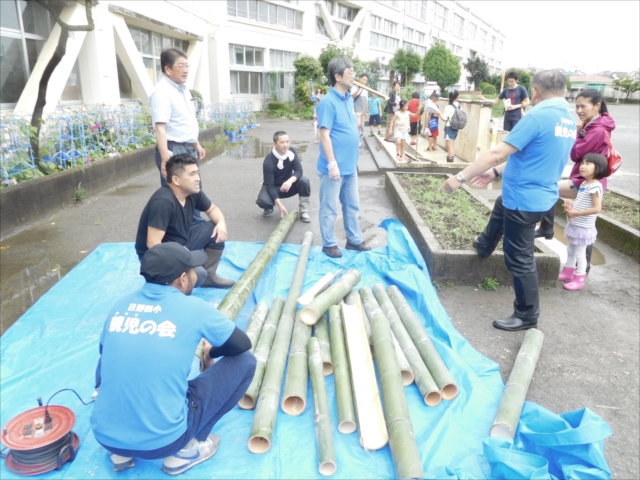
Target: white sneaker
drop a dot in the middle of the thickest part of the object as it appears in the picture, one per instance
(121, 463)
(194, 453)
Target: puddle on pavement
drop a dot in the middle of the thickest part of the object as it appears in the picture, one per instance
(597, 258)
(256, 148)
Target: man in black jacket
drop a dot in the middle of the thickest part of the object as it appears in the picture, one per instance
(283, 178)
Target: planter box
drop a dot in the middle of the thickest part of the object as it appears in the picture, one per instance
(614, 233)
(462, 266)
(36, 199)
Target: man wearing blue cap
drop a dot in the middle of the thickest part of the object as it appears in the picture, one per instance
(146, 406)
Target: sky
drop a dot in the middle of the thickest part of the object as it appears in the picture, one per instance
(592, 36)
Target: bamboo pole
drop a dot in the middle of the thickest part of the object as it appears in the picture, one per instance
(324, 435)
(294, 397)
(341, 375)
(437, 368)
(332, 295)
(255, 324)
(403, 363)
(515, 392)
(321, 332)
(404, 449)
(233, 301)
(424, 381)
(320, 286)
(367, 327)
(264, 421)
(373, 431)
(248, 400)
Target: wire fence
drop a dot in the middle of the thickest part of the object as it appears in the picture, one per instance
(76, 136)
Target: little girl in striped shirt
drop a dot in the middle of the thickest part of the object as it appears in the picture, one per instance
(581, 215)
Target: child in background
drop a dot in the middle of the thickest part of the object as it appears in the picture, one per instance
(374, 113)
(433, 113)
(402, 127)
(581, 227)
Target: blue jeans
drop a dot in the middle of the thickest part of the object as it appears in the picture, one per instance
(345, 190)
(210, 396)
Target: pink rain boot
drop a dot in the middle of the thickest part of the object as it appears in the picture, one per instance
(577, 283)
(567, 274)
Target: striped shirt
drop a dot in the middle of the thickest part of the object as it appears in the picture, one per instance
(584, 202)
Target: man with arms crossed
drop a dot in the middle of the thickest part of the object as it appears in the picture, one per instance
(338, 161)
(538, 148)
(146, 407)
(168, 214)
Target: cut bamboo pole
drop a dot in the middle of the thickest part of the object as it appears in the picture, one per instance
(318, 288)
(321, 332)
(233, 301)
(437, 368)
(404, 449)
(294, 397)
(248, 400)
(324, 435)
(332, 295)
(341, 375)
(403, 363)
(264, 421)
(367, 327)
(424, 381)
(515, 391)
(256, 322)
(373, 430)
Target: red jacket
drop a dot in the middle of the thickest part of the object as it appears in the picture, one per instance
(594, 141)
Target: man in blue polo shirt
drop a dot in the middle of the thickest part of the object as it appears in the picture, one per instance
(538, 148)
(146, 407)
(338, 161)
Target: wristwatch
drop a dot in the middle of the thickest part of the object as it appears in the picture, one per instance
(460, 178)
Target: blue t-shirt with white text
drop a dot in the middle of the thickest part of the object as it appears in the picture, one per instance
(544, 138)
(148, 343)
(335, 113)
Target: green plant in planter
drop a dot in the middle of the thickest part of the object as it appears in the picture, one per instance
(220, 140)
(79, 195)
(489, 284)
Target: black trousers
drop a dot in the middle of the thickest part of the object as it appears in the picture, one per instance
(301, 187)
(517, 229)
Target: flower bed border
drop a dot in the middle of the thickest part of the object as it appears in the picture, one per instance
(38, 198)
(462, 266)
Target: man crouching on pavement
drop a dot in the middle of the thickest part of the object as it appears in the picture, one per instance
(146, 407)
(283, 178)
(167, 217)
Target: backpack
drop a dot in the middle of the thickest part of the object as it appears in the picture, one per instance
(458, 119)
(613, 157)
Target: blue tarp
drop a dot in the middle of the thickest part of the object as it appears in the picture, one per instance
(55, 345)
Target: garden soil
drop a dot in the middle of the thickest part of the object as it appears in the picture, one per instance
(590, 354)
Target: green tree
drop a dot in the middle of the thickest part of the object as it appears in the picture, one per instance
(308, 71)
(374, 69)
(495, 80)
(627, 85)
(54, 7)
(405, 63)
(478, 71)
(524, 78)
(441, 66)
(332, 51)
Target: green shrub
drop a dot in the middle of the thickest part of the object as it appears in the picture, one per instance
(487, 89)
(275, 106)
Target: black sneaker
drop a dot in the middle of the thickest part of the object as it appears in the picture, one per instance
(267, 212)
(361, 247)
(333, 252)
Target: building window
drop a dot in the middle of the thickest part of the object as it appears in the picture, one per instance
(386, 26)
(247, 56)
(417, 9)
(150, 45)
(493, 43)
(346, 13)
(420, 37)
(25, 26)
(458, 25)
(342, 29)
(282, 60)
(408, 33)
(483, 38)
(440, 15)
(383, 42)
(420, 50)
(247, 83)
(321, 28)
(473, 31)
(264, 12)
(329, 5)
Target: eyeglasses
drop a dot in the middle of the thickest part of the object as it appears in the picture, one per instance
(182, 66)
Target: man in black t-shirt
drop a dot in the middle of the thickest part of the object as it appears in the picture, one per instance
(283, 178)
(168, 214)
(517, 98)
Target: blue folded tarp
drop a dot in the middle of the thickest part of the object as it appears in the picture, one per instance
(55, 345)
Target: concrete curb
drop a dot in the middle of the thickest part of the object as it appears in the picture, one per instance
(36, 199)
(462, 267)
